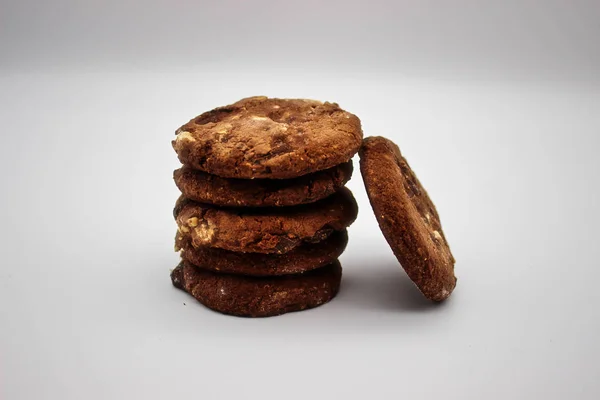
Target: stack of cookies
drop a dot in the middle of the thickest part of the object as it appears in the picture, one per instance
(263, 214)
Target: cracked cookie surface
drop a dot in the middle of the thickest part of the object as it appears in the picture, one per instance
(247, 296)
(260, 137)
(274, 230)
(306, 257)
(207, 188)
(407, 217)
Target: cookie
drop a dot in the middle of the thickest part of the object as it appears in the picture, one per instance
(259, 137)
(248, 296)
(181, 202)
(206, 188)
(306, 257)
(407, 217)
(265, 230)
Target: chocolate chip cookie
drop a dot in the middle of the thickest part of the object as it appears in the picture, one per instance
(306, 257)
(247, 296)
(212, 189)
(273, 230)
(259, 137)
(407, 217)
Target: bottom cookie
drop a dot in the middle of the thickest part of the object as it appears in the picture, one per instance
(247, 296)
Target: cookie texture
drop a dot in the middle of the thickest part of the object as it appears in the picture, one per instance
(306, 257)
(264, 230)
(212, 189)
(407, 217)
(260, 137)
(247, 296)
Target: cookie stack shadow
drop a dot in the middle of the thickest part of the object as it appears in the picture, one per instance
(264, 210)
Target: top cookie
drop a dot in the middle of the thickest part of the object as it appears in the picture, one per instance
(407, 217)
(259, 137)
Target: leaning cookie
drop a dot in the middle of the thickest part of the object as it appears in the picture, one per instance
(259, 137)
(274, 230)
(407, 218)
(304, 258)
(246, 296)
(212, 189)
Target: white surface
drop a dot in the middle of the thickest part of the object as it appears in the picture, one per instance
(87, 307)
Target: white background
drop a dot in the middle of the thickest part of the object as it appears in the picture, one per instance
(497, 108)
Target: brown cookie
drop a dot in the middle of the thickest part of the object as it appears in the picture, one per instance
(212, 189)
(306, 257)
(407, 217)
(260, 137)
(248, 296)
(265, 230)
